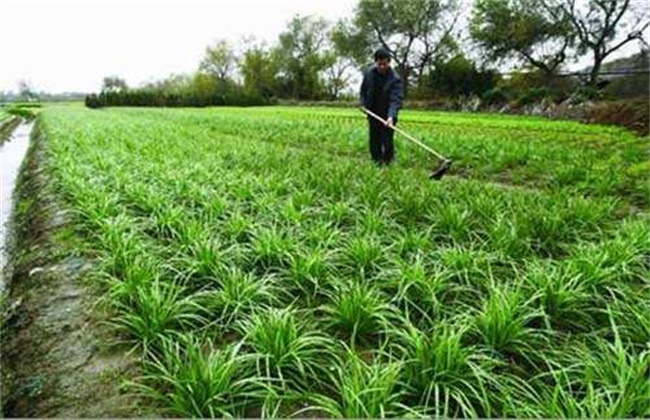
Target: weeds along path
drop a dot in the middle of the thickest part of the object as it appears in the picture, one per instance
(257, 263)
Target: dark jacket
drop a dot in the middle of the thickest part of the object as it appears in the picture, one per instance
(392, 89)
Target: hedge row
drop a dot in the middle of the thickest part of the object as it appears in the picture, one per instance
(156, 98)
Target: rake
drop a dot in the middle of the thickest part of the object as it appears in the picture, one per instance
(437, 172)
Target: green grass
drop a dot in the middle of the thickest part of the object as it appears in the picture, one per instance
(4, 116)
(261, 265)
(8, 123)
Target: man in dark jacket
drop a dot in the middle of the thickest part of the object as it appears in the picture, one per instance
(382, 93)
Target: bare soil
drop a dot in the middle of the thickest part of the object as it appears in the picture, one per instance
(58, 357)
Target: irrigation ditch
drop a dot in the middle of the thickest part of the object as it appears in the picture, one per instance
(57, 356)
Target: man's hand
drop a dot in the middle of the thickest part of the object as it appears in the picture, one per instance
(389, 122)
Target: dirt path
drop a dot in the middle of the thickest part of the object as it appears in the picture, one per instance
(56, 359)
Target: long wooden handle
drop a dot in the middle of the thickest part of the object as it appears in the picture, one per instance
(405, 134)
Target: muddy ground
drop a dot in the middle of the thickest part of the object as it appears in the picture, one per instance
(57, 354)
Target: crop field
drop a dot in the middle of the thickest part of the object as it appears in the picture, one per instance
(4, 116)
(7, 124)
(261, 265)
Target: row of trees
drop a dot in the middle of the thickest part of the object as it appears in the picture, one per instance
(26, 93)
(198, 90)
(543, 35)
(439, 47)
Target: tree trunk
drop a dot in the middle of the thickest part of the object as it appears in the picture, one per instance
(403, 72)
(595, 70)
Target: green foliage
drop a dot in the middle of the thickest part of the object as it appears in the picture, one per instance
(586, 93)
(533, 95)
(24, 109)
(219, 61)
(260, 70)
(193, 379)
(460, 77)
(495, 96)
(414, 32)
(287, 350)
(524, 83)
(160, 98)
(445, 376)
(362, 389)
(92, 101)
(521, 29)
(358, 311)
(26, 105)
(503, 322)
(301, 58)
(261, 265)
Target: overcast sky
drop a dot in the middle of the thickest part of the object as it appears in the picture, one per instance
(71, 45)
(67, 45)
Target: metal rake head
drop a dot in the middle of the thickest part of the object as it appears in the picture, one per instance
(440, 171)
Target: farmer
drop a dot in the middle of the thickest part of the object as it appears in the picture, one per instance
(381, 93)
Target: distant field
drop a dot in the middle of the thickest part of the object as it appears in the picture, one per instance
(5, 117)
(7, 124)
(262, 265)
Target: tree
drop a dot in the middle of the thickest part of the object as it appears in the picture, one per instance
(26, 91)
(352, 43)
(203, 87)
(113, 84)
(173, 83)
(219, 61)
(522, 30)
(301, 56)
(337, 75)
(259, 69)
(413, 32)
(460, 77)
(341, 58)
(602, 26)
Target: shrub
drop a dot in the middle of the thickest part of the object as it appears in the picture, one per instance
(632, 114)
(586, 93)
(92, 101)
(533, 95)
(184, 98)
(495, 96)
(20, 111)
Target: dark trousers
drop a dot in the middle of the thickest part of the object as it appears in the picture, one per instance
(382, 148)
